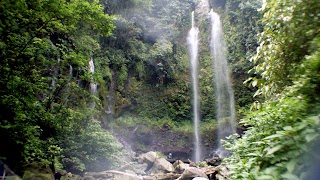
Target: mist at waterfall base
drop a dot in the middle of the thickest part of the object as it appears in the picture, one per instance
(193, 51)
(222, 81)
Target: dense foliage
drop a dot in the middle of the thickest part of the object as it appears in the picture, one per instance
(146, 55)
(138, 47)
(45, 48)
(284, 129)
(242, 26)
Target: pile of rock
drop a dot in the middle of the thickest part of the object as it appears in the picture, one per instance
(153, 166)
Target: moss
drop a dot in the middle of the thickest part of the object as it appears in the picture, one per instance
(29, 175)
(37, 171)
(13, 178)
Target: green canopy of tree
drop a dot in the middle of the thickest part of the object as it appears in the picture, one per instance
(45, 47)
(283, 130)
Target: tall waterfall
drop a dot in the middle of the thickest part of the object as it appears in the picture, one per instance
(223, 88)
(193, 51)
(93, 86)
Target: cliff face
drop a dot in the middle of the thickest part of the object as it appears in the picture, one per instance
(143, 138)
(202, 8)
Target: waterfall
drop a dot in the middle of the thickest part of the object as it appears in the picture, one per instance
(55, 74)
(70, 72)
(93, 86)
(193, 51)
(223, 88)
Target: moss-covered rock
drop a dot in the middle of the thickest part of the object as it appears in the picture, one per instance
(37, 171)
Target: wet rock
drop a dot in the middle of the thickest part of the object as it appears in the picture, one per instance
(149, 157)
(192, 172)
(117, 175)
(96, 175)
(180, 166)
(200, 178)
(220, 177)
(161, 165)
(37, 171)
(223, 173)
(215, 161)
(192, 164)
(70, 176)
(88, 178)
(140, 168)
(112, 174)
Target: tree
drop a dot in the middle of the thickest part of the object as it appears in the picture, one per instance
(242, 26)
(284, 129)
(145, 48)
(39, 42)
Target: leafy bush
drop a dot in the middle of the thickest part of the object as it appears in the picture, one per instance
(279, 143)
(280, 134)
(87, 144)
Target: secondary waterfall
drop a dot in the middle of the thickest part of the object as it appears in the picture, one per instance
(55, 74)
(93, 86)
(223, 88)
(193, 51)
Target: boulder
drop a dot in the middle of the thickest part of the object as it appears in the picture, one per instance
(88, 178)
(200, 178)
(180, 166)
(177, 162)
(223, 173)
(70, 176)
(37, 171)
(96, 175)
(215, 161)
(117, 175)
(112, 174)
(149, 157)
(192, 172)
(220, 177)
(12, 177)
(63, 172)
(140, 168)
(30, 175)
(161, 165)
(192, 164)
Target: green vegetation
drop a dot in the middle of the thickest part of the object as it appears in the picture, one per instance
(44, 110)
(127, 122)
(142, 77)
(284, 128)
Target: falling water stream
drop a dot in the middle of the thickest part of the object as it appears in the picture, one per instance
(223, 88)
(55, 74)
(193, 51)
(93, 86)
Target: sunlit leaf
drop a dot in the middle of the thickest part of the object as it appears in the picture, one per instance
(278, 135)
(290, 176)
(287, 128)
(310, 137)
(291, 165)
(274, 149)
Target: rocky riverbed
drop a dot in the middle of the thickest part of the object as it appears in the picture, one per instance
(154, 166)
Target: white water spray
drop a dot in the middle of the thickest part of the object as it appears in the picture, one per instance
(193, 51)
(223, 88)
